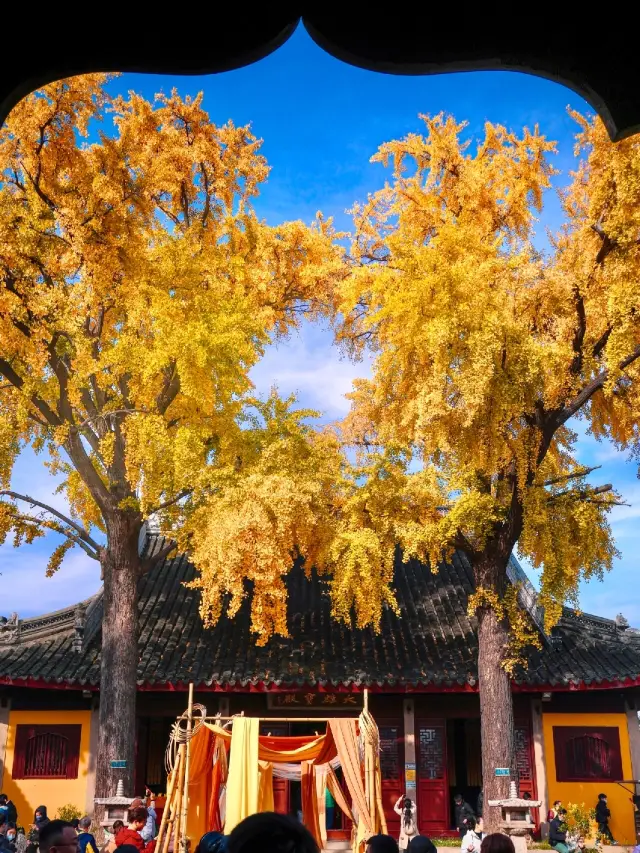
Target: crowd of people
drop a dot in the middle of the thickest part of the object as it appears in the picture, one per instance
(139, 832)
(281, 834)
(273, 832)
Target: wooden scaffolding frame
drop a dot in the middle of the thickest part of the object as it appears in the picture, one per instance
(174, 816)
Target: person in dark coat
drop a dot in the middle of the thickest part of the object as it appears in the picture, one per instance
(558, 832)
(603, 815)
(40, 820)
(7, 835)
(480, 804)
(463, 813)
(212, 842)
(278, 833)
(421, 844)
(8, 808)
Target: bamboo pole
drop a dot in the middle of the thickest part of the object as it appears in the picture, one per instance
(185, 795)
(379, 804)
(177, 823)
(171, 806)
(369, 783)
(279, 719)
(168, 805)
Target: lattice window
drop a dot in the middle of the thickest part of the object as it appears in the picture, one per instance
(523, 754)
(390, 752)
(584, 755)
(46, 752)
(431, 752)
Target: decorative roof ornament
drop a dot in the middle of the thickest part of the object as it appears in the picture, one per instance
(621, 622)
(9, 629)
(80, 618)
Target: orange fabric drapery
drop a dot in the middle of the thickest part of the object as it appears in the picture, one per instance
(265, 786)
(218, 779)
(321, 784)
(287, 743)
(341, 740)
(344, 734)
(310, 801)
(288, 749)
(334, 786)
(201, 750)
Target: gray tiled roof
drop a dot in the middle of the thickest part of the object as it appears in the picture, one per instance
(431, 642)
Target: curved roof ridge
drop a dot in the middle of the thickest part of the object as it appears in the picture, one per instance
(47, 625)
(428, 643)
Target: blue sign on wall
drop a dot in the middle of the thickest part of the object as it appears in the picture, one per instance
(118, 765)
(502, 771)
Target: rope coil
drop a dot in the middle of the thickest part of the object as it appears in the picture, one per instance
(180, 734)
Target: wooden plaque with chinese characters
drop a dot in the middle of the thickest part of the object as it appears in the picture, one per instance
(306, 701)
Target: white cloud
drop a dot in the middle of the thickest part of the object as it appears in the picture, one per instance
(630, 495)
(26, 589)
(313, 368)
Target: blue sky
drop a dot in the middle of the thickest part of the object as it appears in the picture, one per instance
(321, 121)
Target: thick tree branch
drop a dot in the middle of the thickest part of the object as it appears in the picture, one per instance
(170, 388)
(462, 544)
(589, 390)
(18, 382)
(582, 472)
(92, 436)
(85, 467)
(582, 494)
(183, 494)
(207, 198)
(581, 328)
(166, 212)
(44, 198)
(82, 533)
(57, 528)
(601, 343)
(163, 553)
(608, 245)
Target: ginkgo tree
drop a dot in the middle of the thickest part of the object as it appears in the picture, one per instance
(487, 350)
(137, 289)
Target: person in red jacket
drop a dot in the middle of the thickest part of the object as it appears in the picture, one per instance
(131, 834)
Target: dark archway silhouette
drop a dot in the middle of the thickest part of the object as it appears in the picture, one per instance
(597, 57)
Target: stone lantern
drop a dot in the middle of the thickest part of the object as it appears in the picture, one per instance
(114, 808)
(517, 820)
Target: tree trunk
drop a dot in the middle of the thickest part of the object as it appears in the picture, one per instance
(496, 713)
(119, 657)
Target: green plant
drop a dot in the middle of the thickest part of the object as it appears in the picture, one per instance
(68, 812)
(580, 820)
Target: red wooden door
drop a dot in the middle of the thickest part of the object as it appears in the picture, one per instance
(280, 786)
(433, 785)
(392, 771)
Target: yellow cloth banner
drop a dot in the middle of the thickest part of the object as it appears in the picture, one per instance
(243, 782)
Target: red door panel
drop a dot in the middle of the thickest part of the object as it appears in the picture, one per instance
(280, 786)
(433, 787)
(392, 771)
